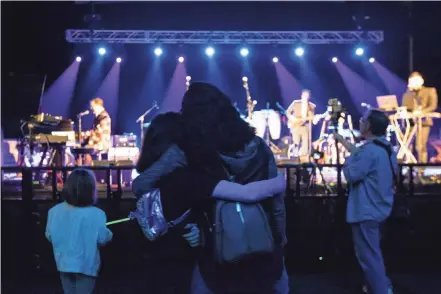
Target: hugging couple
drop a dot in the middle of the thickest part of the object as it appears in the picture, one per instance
(190, 158)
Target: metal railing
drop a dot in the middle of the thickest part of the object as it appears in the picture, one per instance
(293, 176)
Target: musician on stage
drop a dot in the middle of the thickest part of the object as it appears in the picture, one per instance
(99, 136)
(299, 115)
(420, 99)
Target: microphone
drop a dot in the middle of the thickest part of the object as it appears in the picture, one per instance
(86, 112)
(365, 105)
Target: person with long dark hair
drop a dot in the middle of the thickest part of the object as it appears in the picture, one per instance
(182, 189)
(215, 138)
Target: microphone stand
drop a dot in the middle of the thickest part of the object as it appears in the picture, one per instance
(140, 119)
(80, 136)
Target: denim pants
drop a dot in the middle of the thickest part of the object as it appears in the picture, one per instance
(198, 285)
(366, 236)
(77, 283)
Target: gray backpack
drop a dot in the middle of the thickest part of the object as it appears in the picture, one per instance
(240, 230)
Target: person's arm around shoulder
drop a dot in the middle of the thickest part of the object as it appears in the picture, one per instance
(173, 158)
(358, 165)
(252, 192)
(104, 234)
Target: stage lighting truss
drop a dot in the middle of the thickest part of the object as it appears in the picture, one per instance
(224, 37)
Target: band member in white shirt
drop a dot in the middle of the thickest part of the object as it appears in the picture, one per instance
(300, 114)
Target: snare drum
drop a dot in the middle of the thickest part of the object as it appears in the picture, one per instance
(267, 116)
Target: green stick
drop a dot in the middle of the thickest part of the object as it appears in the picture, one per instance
(117, 221)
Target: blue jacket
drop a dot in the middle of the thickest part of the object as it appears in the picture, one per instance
(76, 234)
(370, 181)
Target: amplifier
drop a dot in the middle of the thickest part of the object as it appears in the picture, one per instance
(126, 140)
(123, 153)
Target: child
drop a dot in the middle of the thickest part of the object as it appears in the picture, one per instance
(76, 229)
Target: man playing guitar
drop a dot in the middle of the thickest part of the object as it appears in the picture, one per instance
(300, 114)
(99, 137)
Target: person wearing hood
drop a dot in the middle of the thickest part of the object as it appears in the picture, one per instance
(215, 138)
(368, 172)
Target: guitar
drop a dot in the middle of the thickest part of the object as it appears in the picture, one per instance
(295, 122)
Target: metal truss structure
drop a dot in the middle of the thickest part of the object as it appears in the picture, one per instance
(223, 37)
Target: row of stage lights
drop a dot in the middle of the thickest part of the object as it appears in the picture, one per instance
(209, 51)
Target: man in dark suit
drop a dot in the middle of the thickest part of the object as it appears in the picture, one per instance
(423, 100)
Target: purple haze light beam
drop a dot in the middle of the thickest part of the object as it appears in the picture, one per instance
(290, 87)
(109, 92)
(393, 83)
(359, 89)
(176, 90)
(57, 99)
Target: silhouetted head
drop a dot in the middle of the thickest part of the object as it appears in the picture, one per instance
(80, 188)
(164, 131)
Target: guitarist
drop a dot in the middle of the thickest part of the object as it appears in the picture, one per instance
(99, 137)
(299, 115)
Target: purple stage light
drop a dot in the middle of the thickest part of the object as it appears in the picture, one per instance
(78, 59)
(118, 59)
(275, 59)
(102, 51)
(334, 59)
(181, 59)
(371, 60)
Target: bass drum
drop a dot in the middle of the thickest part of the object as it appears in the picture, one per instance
(261, 118)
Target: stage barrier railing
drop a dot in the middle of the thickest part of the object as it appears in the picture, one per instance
(293, 174)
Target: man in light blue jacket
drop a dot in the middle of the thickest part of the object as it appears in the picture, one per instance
(368, 172)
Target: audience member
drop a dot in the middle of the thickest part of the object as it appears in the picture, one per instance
(76, 229)
(215, 138)
(182, 189)
(369, 171)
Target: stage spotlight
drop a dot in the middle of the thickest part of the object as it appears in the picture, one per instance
(209, 51)
(244, 52)
(371, 60)
(334, 59)
(181, 59)
(158, 51)
(245, 79)
(78, 59)
(359, 51)
(188, 78)
(102, 51)
(275, 59)
(118, 59)
(299, 51)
